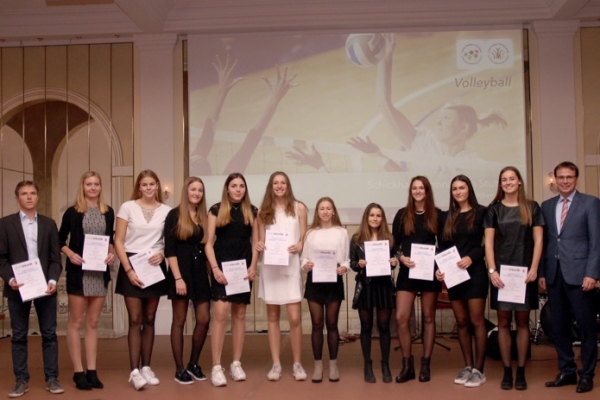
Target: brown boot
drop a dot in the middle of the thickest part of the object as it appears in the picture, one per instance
(408, 370)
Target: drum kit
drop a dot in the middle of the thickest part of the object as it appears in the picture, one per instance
(543, 325)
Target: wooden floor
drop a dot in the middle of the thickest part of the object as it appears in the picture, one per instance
(114, 372)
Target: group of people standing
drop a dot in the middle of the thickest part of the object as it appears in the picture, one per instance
(196, 241)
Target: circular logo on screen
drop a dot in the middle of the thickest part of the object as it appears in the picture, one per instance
(471, 54)
(498, 53)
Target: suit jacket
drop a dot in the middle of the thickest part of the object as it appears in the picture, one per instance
(577, 245)
(13, 249)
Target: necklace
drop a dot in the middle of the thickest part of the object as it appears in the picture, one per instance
(420, 212)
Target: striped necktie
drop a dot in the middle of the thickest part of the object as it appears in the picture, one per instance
(563, 212)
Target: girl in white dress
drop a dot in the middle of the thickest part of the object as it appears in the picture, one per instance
(279, 285)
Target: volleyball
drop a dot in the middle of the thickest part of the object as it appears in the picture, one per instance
(365, 49)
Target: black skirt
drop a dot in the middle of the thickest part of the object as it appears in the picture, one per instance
(125, 288)
(474, 288)
(324, 292)
(378, 292)
(405, 284)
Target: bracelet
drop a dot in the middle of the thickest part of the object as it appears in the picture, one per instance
(178, 279)
(129, 270)
(215, 267)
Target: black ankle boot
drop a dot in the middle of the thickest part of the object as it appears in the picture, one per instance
(520, 382)
(369, 376)
(425, 374)
(408, 370)
(81, 381)
(92, 377)
(507, 380)
(385, 370)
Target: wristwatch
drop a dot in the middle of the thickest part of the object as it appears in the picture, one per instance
(491, 270)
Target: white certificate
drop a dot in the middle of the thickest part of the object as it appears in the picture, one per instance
(147, 273)
(377, 256)
(447, 263)
(276, 248)
(324, 266)
(514, 288)
(30, 274)
(95, 250)
(423, 255)
(236, 273)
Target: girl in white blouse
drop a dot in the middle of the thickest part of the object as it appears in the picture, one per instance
(325, 298)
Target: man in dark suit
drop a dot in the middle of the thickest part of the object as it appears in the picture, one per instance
(569, 270)
(25, 236)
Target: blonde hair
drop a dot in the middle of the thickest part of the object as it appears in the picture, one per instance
(224, 216)
(80, 203)
(147, 173)
(186, 226)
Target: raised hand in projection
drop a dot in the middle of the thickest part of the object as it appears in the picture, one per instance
(199, 157)
(456, 122)
(311, 157)
(278, 89)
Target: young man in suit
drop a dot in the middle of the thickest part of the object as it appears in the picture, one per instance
(569, 270)
(25, 236)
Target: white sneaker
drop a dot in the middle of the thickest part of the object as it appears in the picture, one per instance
(236, 371)
(217, 376)
(463, 376)
(275, 373)
(299, 372)
(149, 376)
(477, 379)
(137, 379)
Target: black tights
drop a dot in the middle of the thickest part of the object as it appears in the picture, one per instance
(202, 317)
(142, 313)
(331, 311)
(366, 327)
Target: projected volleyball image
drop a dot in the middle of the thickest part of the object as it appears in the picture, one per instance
(354, 116)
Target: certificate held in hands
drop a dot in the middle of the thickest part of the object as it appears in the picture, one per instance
(276, 248)
(447, 262)
(423, 255)
(147, 273)
(95, 250)
(324, 266)
(30, 275)
(515, 287)
(236, 273)
(377, 256)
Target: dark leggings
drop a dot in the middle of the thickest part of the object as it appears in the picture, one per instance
(142, 313)
(331, 311)
(202, 317)
(366, 327)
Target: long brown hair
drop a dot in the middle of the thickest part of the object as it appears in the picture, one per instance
(363, 233)
(316, 223)
(454, 208)
(147, 173)
(185, 224)
(224, 216)
(267, 208)
(80, 203)
(431, 215)
(524, 208)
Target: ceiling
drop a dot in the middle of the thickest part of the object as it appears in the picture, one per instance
(88, 20)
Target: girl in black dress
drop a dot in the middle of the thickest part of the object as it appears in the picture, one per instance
(188, 277)
(230, 233)
(377, 291)
(87, 289)
(514, 229)
(417, 223)
(463, 228)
